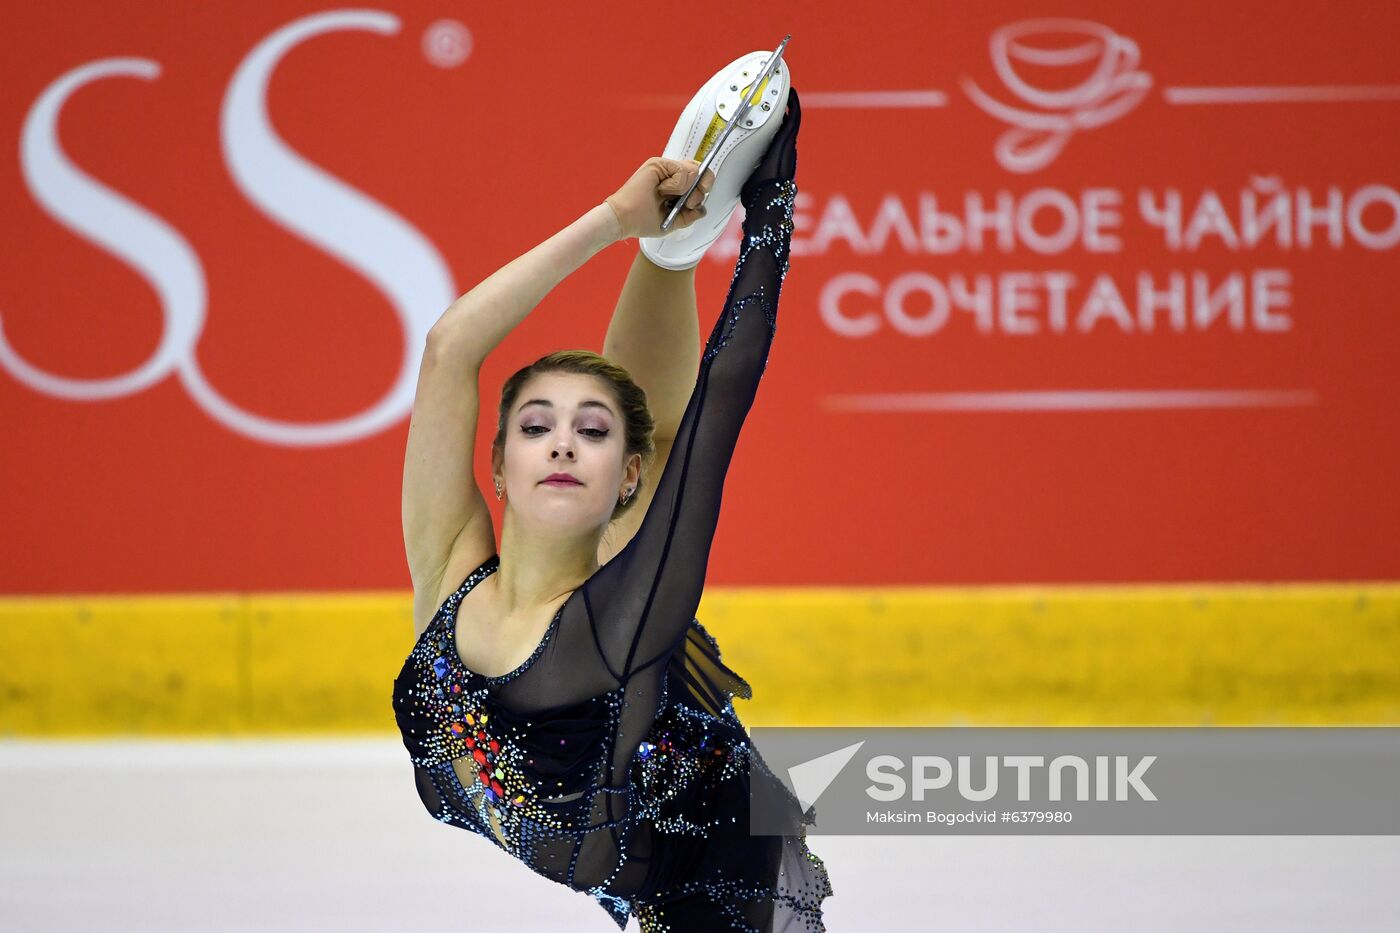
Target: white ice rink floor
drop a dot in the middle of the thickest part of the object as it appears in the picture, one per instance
(330, 835)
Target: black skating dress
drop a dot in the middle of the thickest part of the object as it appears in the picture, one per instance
(611, 760)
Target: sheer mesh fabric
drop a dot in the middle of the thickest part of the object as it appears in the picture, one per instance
(625, 666)
(620, 627)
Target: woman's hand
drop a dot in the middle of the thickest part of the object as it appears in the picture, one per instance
(648, 196)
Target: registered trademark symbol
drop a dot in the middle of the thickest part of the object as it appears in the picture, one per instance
(447, 43)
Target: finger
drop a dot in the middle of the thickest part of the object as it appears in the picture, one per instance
(707, 181)
(682, 182)
(679, 182)
(677, 168)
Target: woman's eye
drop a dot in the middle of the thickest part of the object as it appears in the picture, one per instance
(595, 433)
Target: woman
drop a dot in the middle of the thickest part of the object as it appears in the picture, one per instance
(567, 706)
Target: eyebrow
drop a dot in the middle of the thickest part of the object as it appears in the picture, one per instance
(586, 403)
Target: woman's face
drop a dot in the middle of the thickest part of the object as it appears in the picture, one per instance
(565, 423)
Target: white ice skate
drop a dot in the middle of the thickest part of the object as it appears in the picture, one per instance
(726, 127)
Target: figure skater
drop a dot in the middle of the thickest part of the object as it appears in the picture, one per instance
(562, 700)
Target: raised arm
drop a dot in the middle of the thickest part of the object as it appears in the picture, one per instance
(642, 601)
(440, 495)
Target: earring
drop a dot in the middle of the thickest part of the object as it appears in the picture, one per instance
(627, 494)
(498, 491)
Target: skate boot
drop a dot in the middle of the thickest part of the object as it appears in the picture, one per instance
(701, 124)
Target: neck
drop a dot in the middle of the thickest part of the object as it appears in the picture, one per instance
(539, 568)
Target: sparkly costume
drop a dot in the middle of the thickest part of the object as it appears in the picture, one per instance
(611, 760)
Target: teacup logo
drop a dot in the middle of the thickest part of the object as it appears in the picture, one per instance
(1054, 51)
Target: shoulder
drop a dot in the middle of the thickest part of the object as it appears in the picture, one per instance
(473, 547)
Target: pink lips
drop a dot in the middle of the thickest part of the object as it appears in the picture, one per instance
(561, 479)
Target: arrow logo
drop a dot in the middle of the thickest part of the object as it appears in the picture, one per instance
(810, 779)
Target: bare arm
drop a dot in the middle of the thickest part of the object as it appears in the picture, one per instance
(655, 335)
(440, 496)
(478, 321)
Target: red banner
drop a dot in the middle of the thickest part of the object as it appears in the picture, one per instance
(1090, 292)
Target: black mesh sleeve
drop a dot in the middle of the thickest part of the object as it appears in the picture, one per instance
(644, 598)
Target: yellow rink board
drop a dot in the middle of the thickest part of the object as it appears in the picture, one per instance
(1247, 654)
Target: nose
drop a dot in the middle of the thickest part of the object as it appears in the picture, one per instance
(567, 451)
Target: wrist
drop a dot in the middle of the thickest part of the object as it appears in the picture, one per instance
(612, 222)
